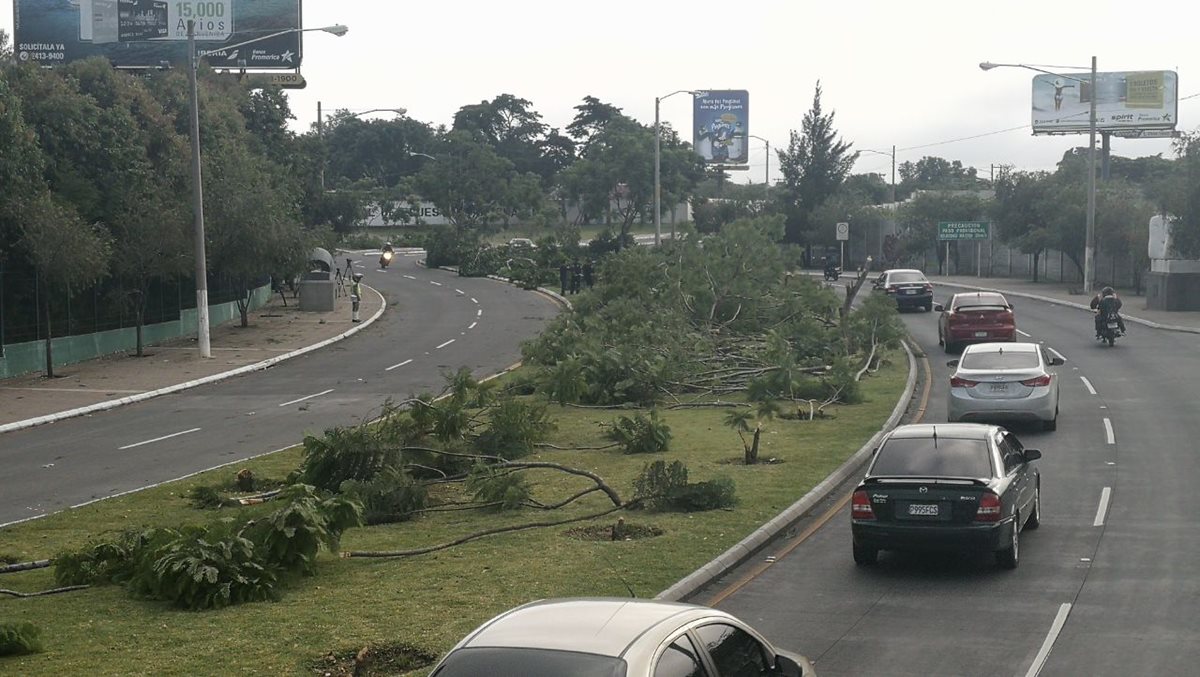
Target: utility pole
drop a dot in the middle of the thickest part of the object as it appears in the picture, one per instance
(321, 138)
(1089, 252)
(202, 335)
(893, 173)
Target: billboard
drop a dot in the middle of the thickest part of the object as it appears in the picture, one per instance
(1125, 100)
(720, 123)
(153, 33)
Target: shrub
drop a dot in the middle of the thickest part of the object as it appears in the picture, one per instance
(356, 453)
(665, 488)
(209, 569)
(641, 434)
(291, 536)
(514, 426)
(116, 560)
(204, 497)
(18, 638)
(715, 494)
(392, 496)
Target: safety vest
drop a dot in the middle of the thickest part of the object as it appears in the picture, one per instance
(356, 290)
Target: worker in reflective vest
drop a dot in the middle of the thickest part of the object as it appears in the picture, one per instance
(356, 294)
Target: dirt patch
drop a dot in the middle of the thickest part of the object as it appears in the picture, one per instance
(600, 532)
(393, 659)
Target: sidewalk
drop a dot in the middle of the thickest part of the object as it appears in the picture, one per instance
(1134, 308)
(275, 333)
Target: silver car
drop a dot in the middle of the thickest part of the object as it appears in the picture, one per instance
(1004, 382)
(616, 637)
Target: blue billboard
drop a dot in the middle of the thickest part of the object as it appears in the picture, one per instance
(721, 123)
(152, 33)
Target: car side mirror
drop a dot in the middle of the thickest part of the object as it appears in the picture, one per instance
(787, 667)
(952, 363)
(939, 307)
(1032, 455)
(1056, 361)
(1011, 307)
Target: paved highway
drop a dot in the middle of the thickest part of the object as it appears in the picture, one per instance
(1107, 586)
(435, 322)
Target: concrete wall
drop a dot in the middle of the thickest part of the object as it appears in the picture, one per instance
(24, 358)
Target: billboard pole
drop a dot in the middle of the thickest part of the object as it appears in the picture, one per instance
(657, 175)
(202, 335)
(1089, 253)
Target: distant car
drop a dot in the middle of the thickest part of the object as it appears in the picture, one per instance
(959, 486)
(908, 287)
(975, 317)
(521, 243)
(1004, 382)
(617, 637)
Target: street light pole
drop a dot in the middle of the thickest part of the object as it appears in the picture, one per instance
(1089, 251)
(767, 173)
(202, 333)
(658, 166)
(893, 156)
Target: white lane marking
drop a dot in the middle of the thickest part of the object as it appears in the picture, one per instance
(157, 439)
(410, 277)
(436, 284)
(308, 397)
(397, 366)
(1108, 431)
(1026, 335)
(1057, 354)
(1088, 384)
(1102, 511)
(479, 313)
(1060, 619)
(474, 300)
(472, 325)
(459, 292)
(445, 344)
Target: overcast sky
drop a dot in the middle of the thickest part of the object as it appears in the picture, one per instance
(902, 73)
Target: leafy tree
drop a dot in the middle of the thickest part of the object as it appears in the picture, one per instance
(591, 117)
(751, 421)
(868, 189)
(379, 151)
(935, 173)
(513, 129)
(814, 165)
(918, 219)
(5, 48)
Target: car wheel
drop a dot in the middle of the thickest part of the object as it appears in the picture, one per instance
(941, 341)
(1052, 424)
(949, 347)
(1011, 556)
(865, 556)
(1035, 516)
(929, 307)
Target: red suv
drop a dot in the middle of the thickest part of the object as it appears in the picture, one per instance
(975, 317)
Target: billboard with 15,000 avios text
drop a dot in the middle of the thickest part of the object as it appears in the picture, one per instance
(1125, 101)
(153, 33)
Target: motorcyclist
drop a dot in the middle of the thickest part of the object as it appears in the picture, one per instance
(1107, 304)
(829, 265)
(387, 247)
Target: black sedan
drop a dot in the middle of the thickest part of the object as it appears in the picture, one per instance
(957, 486)
(907, 287)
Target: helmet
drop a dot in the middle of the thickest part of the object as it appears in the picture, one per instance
(358, 277)
(1107, 291)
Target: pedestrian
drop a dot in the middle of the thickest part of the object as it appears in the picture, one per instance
(576, 277)
(355, 296)
(587, 273)
(564, 274)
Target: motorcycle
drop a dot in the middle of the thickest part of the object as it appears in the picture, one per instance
(1109, 329)
(384, 259)
(833, 274)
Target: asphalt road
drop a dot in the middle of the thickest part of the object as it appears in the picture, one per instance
(435, 322)
(1107, 586)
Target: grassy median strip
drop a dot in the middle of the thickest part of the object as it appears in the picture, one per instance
(428, 602)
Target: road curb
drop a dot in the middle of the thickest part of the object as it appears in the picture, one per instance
(554, 296)
(257, 366)
(1070, 304)
(746, 548)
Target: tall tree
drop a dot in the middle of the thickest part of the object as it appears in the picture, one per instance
(591, 117)
(935, 173)
(473, 185)
(918, 220)
(509, 125)
(5, 49)
(814, 164)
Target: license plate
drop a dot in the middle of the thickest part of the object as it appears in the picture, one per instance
(1112, 325)
(911, 291)
(981, 334)
(923, 509)
(998, 387)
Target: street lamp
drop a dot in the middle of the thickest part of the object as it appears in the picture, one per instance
(767, 173)
(321, 129)
(891, 155)
(658, 166)
(202, 333)
(1089, 252)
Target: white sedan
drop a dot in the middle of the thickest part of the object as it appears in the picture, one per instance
(1004, 382)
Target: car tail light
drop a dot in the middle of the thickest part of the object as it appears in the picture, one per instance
(860, 506)
(928, 287)
(892, 288)
(989, 508)
(959, 382)
(1006, 317)
(955, 318)
(1040, 381)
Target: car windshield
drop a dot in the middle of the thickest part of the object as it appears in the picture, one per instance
(926, 457)
(1010, 359)
(527, 662)
(904, 278)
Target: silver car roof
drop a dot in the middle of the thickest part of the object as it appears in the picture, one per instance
(600, 625)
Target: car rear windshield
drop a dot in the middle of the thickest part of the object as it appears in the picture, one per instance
(905, 278)
(1009, 359)
(923, 457)
(980, 302)
(526, 662)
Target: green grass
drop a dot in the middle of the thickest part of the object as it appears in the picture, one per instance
(428, 601)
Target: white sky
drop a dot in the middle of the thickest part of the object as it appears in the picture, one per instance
(901, 72)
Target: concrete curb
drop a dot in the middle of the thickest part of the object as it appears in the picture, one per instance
(258, 366)
(746, 548)
(554, 296)
(1071, 304)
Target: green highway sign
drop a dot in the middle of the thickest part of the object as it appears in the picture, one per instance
(964, 230)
